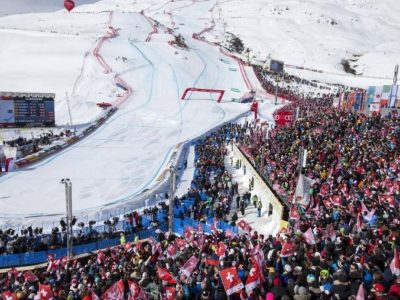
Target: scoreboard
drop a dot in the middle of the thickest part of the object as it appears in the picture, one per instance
(26, 109)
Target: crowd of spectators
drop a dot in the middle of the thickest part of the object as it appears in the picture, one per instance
(26, 146)
(342, 245)
(32, 239)
(342, 259)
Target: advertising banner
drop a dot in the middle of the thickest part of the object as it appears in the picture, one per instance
(283, 118)
(7, 112)
(358, 101)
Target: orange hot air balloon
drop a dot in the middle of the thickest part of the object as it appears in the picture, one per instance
(69, 5)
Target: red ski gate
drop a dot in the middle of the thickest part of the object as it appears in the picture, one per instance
(221, 92)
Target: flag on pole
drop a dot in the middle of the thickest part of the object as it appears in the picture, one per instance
(395, 265)
(169, 293)
(136, 291)
(309, 236)
(301, 194)
(171, 250)
(253, 280)
(220, 251)
(181, 243)
(367, 215)
(165, 275)
(9, 296)
(29, 276)
(231, 280)
(115, 292)
(45, 292)
(288, 249)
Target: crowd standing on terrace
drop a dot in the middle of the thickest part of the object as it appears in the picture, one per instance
(342, 245)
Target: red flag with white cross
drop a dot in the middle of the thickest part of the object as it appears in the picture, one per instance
(115, 292)
(169, 293)
(253, 280)
(231, 280)
(45, 292)
(9, 296)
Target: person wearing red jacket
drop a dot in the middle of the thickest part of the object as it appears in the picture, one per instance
(395, 288)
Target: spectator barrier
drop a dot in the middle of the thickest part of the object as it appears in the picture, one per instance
(34, 258)
(278, 204)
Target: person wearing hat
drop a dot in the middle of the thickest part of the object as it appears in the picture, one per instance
(378, 292)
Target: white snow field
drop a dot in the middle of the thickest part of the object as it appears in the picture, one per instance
(85, 53)
(127, 154)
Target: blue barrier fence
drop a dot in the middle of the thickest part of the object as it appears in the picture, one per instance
(33, 258)
(179, 225)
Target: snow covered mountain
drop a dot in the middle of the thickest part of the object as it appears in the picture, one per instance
(120, 51)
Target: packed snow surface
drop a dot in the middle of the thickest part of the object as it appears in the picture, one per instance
(85, 54)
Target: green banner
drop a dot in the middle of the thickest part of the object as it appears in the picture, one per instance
(235, 90)
(233, 69)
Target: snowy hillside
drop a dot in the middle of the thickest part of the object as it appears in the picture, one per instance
(319, 34)
(120, 51)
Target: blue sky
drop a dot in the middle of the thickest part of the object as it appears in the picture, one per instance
(27, 6)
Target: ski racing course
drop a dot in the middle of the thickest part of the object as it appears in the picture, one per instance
(113, 167)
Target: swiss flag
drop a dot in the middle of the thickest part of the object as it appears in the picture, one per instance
(294, 213)
(115, 292)
(324, 190)
(9, 296)
(327, 204)
(45, 291)
(136, 291)
(336, 200)
(171, 250)
(231, 280)
(29, 276)
(395, 265)
(189, 266)
(169, 293)
(288, 249)
(220, 251)
(188, 233)
(309, 236)
(100, 257)
(253, 280)
(181, 243)
(165, 275)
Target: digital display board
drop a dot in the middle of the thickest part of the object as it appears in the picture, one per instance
(26, 109)
(276, 66)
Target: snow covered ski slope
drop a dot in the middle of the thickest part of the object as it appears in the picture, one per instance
(125, 156)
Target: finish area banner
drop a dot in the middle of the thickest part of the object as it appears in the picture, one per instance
(283, 118)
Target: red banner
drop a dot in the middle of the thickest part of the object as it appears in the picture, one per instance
(283, 118)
